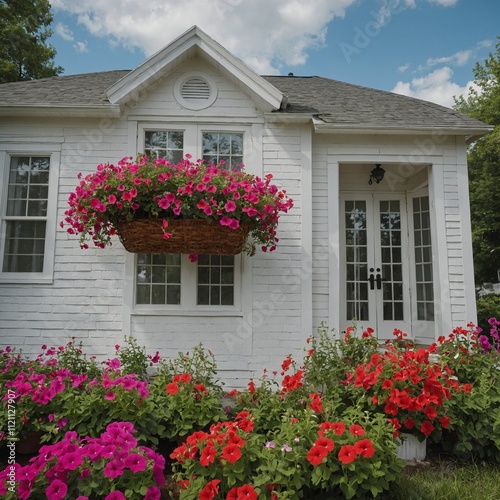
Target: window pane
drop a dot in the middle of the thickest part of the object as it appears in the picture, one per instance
(158, 279)
(24, 247)
(28, 187)
(167, 144)
(215, 280)
(423, 259)
(223, 147)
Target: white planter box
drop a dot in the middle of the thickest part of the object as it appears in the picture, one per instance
(410, 448)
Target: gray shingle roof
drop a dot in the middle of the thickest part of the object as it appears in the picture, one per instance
(344, 104)
(336, 103)
(80, 90)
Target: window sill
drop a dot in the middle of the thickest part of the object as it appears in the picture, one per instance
(213, 311)
(7, 280)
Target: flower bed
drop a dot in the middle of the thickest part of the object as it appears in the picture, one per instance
(325, 426)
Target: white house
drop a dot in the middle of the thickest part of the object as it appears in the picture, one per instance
(389, 254)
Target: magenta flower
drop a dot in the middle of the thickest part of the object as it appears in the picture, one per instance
(71, 461)
(136, 462)
(115, 495)
(24, 490)
(93, 451)
(230, 206)
(110, 395)
(56, 490)
(113, 469)
(113, 363)
(153, 493)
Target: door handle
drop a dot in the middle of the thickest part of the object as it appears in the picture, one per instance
(379, 280)
(371, 279)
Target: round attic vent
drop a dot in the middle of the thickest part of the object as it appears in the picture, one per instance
(195, 91)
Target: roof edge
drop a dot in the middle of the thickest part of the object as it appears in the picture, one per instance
(145, 73)
(65, 111)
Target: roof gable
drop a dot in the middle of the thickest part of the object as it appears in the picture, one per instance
(192, 43)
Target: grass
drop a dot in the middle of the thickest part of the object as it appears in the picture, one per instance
(448, 479)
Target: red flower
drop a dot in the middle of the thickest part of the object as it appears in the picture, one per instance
(286, 364)
(210, 490)
(409, 423)
(231, 453)
(356, 430)
(316, 404)
(431, 412)
(183, 377)
(245, 425)
(326, 443)
(207, 456)
(387, 384)
(246, 491)
(232, 494)
(172, 388)
(316, 454)
(444, 421)
(426, 428)
(251, 387)
(347, 454)
(365, 448)
(337, 427)
(183, 484)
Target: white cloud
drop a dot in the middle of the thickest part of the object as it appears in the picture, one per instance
(64, 32)
(444, 3)
(457, 59)
(389, 8)
(264, 34)
(436, 87)
(403, 68)
(81, 47)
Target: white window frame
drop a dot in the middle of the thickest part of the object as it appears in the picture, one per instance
(53, 151)
(242, 266)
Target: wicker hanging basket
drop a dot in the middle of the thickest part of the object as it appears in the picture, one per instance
(191, 236)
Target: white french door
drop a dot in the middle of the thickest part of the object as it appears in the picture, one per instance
(375, 263)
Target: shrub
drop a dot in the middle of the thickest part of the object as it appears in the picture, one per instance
(488, 306)
(186, 394)
(475, 417)
(110, 467)
(354, 456)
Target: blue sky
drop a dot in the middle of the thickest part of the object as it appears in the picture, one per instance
(423, 48)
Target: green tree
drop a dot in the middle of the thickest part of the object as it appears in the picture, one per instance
(24, 51)
(483, 103)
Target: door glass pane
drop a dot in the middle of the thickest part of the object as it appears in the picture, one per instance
(423, 259)
(356, 261)
(390, 240)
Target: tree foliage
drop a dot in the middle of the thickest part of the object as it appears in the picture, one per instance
(24, 51)
(483, 103)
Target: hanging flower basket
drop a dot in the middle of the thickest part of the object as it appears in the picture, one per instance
(191, 236)
(158, 207)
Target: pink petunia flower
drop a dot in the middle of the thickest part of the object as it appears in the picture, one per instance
(113, 469)
(136, 462)
(56, 490)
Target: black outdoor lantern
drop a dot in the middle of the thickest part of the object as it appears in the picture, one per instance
(377, 174)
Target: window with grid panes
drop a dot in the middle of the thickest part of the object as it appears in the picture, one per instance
(160, 277)
(223, 146)
(25, 215)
